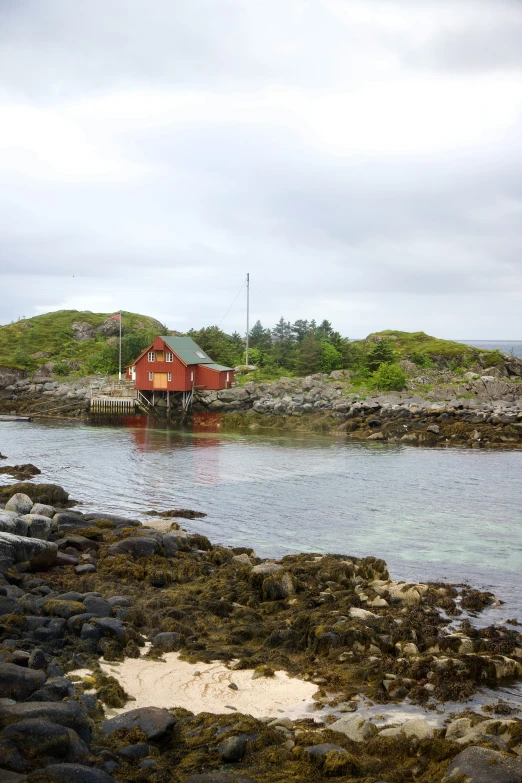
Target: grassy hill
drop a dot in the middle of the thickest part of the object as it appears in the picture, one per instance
(78, 341)
(419, 344)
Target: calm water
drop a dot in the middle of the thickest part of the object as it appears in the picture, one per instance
(506, 346)
(432, 514)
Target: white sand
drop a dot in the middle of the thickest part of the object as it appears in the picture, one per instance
(204, 687)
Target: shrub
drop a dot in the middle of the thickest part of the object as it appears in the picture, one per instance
(61, 368)
(388, 377)
(421, 359)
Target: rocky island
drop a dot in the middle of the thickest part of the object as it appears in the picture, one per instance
(312, 667)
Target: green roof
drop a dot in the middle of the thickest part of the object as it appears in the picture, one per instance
(219, 367)
(187, 350)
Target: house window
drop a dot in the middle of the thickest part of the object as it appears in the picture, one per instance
(152, 356)
(151, 376)
(169, 376)
(192, 376)
(169, 357)
(228, 377)
(201, 355)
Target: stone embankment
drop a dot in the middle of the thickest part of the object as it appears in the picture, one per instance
(480, 411)
(30, 395)
(76, 587)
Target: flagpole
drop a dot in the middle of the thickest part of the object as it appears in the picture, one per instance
(119, 366)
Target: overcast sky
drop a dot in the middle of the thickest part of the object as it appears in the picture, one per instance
(362, 159)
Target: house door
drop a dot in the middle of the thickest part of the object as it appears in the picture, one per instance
(159, 380)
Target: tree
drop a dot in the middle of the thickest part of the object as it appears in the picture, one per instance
(331, 358)
(381, 352)
(221, 347)
(283, 349)
(300, 328)
(324, 330)
(260, 337)
(309, 356)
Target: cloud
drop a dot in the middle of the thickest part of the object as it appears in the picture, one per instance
(361, 159)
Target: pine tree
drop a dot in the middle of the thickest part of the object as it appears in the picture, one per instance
(309, 356)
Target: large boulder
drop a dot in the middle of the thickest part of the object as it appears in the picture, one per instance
(354, 728)
(43, 510)
(154, 722)
(69, 773)
(480, 765)
(10, 522)
(39, 526)
(168, 641)
(65, 713)
(50, 494)
(18, 682)
(35, 738)
(18, 549)
(19, 503)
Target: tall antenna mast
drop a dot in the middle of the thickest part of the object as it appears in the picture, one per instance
(248, 315)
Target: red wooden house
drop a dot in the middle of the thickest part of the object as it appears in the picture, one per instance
(176, 364)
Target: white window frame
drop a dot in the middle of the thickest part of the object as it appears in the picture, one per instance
(152, 356)
(169, 376)
(151, 376)
(169, 357)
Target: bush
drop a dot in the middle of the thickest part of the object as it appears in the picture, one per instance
(61, 368)
(421, 359)
(388, 377)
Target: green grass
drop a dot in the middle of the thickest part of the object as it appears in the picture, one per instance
(407, 343)
(52, 334)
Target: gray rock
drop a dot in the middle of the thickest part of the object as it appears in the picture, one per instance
(19, 503)
(479, 765)
(17, 682)
(169, 641)
(11, 522)
(17, 549)
(417, 727)
(233, 748)
(9, 606)
(109, 626)
(66, 713)
(69, 773)
(267, 568)
(50, 739)
(87, 568)
(318, 752)
(39, 526)
(6, 776)
(98, 607)
(119, 600)
(136, 546)
(138, 751)
(55, 689)
(43, 510)
(154, 722)
(354, 728)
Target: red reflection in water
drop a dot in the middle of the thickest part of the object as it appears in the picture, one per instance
(206, 465)
(203, 453)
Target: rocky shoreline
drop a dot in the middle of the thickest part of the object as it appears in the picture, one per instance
(89, 592)
(318, 404)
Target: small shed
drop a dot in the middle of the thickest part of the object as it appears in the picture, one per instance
(177, 364)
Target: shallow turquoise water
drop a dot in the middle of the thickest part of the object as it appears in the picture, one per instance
(430, 513)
